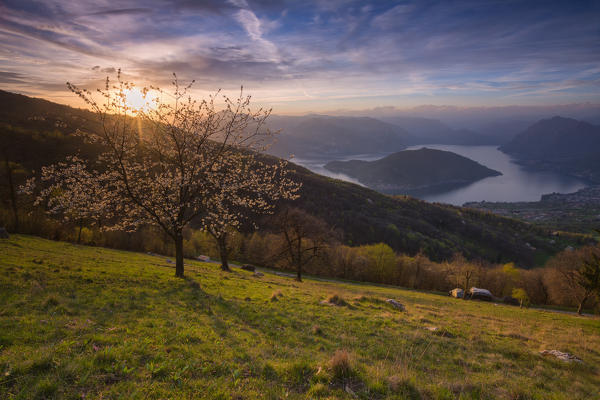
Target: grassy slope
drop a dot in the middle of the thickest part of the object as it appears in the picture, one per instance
(102, 323)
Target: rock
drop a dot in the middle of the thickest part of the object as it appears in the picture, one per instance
(566, 357)
(248, 267)
(203, 258)
(432, 328)
(396, 304)
(3, 233)
(169, 261)
(258, 274)
(479, 294)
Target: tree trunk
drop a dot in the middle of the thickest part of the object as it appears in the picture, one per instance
(79, 234)
(223, 253)
(580, 308)
(299, 260)
(466, 288)
(13, 194)
(179, 254)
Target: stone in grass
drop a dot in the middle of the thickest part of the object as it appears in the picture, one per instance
(566, 357)
(258, 274)
(248, 267)
(396, 304)
(3, 233)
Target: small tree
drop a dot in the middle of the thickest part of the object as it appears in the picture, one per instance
(239, 196)
(68, 192)
(577, 275)
(161, 163)
(521, 295)
(11, 172)
(304, 237)
(462, 272)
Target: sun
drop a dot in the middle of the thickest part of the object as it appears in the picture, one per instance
(136, 99)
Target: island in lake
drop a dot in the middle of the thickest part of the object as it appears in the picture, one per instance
(414, 171)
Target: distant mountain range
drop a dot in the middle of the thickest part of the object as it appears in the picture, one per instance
(433, 131)
(559, 144)
(323, 135)
(317, 135)
(414, 171)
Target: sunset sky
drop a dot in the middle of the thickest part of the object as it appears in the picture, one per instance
(301, 56)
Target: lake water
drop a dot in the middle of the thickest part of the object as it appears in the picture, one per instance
(515, 183)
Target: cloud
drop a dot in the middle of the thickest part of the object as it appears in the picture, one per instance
(343, 51)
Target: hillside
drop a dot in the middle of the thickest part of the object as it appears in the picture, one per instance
(559, 144)
(319, 135)
(37, 132)
(79, 321)
(412, 171)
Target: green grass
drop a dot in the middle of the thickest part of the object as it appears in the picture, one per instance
(80, 321)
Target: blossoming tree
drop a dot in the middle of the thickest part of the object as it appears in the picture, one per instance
(174, 161)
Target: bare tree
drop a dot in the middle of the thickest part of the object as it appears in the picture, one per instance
(462, 273)
(161, 163)
(304, 237)
(576, 275)
(11, 173)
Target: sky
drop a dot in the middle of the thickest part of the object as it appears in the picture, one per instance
(311, 55)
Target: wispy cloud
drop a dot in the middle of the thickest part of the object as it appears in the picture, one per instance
(329, 52)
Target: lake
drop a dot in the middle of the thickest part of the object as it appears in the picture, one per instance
(515, 183)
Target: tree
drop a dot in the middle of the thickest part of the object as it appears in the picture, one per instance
(239, 196)
(462, 272)
(382, 262)
(304, 237)
(512, 276)
(161, 163)
(577, 275)
(68, 191)
(11, 172)
(521, 295)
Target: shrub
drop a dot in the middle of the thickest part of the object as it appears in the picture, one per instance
(340, 366)
(337, 300)
(276, 294)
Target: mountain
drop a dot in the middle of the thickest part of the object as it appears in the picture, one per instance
(414, 171)
(433, 131)
(36, 132)
(559, 144)
(320, 135)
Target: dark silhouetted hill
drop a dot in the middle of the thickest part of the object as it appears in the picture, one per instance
(413, 170)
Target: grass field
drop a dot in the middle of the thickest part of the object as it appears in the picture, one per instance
(84, 322)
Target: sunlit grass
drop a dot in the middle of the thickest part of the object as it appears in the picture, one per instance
(81, 321)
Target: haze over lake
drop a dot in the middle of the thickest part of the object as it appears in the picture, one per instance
(515, 183)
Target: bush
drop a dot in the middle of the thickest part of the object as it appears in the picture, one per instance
(340, 367)
(337, 300)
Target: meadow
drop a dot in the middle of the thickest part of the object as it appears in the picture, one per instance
(87, 322)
